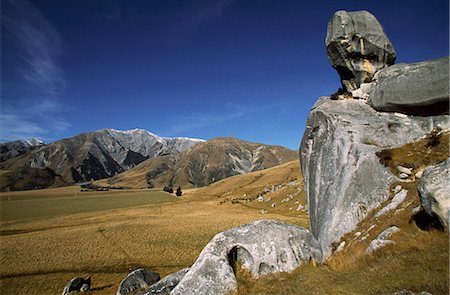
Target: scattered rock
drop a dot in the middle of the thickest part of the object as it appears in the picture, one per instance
(357, 234)
(397, 189)
(357, 47)
(273, 205)
(382, 239)
(416, 89)
(137, 279)
(419, 174)
(77, 284)
(434, 191)
(261, 247)
(340, 247)
(405, 170)
(263, 211)
(344, 179)
(260, 199)
(396, 200)
(167, 284)
(403, 176)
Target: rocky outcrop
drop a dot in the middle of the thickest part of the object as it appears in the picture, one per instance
(138, 279)
(261, 247)
(434, 191)
(344, 178)
(357, 47)
(416, 89)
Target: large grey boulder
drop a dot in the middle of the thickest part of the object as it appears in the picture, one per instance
(357, 47)
(344, 178)
(262, 247)
(167, 284)
(434, 191)
(138, 279)
(417, 89)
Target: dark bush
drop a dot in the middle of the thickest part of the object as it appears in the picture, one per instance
(179, 192)
(168, 189)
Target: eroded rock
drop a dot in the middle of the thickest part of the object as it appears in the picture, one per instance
(344, 179)
(261, 247)
(416, 89)
(434, 191)
(357, 47)
(138, 279)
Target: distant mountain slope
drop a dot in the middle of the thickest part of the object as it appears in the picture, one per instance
(94, 155)
(16, 148)
(204, 163)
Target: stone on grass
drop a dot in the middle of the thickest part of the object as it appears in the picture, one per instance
(261, 247)
(382, 239)
(77, 284)
(138, 279)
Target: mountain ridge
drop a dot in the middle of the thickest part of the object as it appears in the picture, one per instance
(105, 153)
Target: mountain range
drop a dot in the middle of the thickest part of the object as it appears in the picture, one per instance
(108, 152)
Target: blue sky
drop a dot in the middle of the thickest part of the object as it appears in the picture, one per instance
(250, 69)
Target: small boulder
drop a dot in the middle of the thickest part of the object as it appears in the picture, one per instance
(77, 284)
(416, 89)
(357, 47)
(434, 191)
(382, 239)
(137, 279)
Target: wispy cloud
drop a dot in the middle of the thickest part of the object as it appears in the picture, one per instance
(195, 14)
(32, 78)
(231, 112)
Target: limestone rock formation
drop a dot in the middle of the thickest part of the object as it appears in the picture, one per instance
(344, 179)
(357, 47)
(417, 89)
(262, 247)
(138, 279)
(434, 191)
(167, 284)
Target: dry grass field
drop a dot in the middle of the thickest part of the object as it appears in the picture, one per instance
(39, 255)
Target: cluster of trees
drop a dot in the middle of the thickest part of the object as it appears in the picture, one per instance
(169, 189)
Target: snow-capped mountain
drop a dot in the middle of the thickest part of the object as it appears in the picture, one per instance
(16, 148)
(95, 155)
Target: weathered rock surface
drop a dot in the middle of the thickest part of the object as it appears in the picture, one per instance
(344, 179)
(137, 279)
(357, 47)
(262, 247)
(382, 239)
(417, 89)
(76, 285)
(434, 191)
(167, 284)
